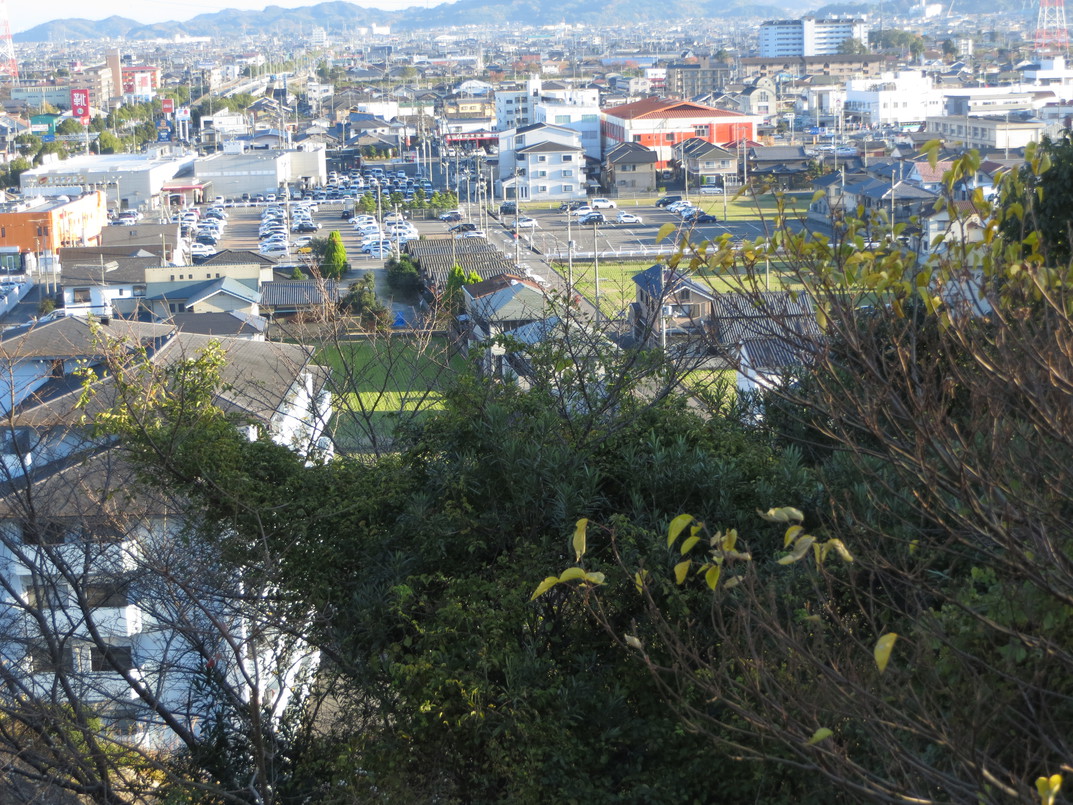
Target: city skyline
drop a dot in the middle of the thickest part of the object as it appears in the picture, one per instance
(24, 16)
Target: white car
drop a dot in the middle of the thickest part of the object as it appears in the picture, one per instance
(628, 218)
(527, 223)
(602, 204)
(274, 250)
(201, 250)
(680, 207)
(474, 234)
(711, 190)
(580, 212)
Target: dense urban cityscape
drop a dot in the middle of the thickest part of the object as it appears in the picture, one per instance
(495, 402)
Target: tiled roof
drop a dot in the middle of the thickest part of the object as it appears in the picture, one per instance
(659, 108)
(298, 293)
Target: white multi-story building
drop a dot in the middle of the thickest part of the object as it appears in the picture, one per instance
(109, 598)
(541, 162)
(906, 97)
(582, 118)
(808, 36)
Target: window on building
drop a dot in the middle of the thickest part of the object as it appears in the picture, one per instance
(589, 118)
(542, 188)
(542, 158)
(111, 658)
(44, 532)
(44, 593)
(637, 138)
(562, 120)
(45, 659)
(568, 157)
(568, 172)
(139, 290)
(107, 594)
(80, 296)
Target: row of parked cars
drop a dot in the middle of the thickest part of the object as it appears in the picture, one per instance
(276, 230)
(382, 239)
(203, 228)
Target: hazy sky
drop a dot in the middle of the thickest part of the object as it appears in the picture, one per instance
(25, 14)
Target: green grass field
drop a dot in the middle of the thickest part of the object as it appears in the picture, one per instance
(617, 288)
(379, 383)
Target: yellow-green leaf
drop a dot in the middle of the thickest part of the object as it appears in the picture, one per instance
(639, 580)
(579, 538)
(841, 549)
(681, 570)
(791, 535)
(1048, 788)
(664, 232)
(783, 515)
(822, 734)
(676, 526)
(595, 578)
(543, 587)
(633, 642)
(712, 576)
(687, 544)
(572, 573)
(882, 650)
(800, 549)
(730, 539)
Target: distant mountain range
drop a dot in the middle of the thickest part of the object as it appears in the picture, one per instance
(335, 16)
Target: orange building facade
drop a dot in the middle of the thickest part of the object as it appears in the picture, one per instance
(50, 225)
(661, 124)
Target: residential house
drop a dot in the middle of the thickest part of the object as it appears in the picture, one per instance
(541, 162)
(630, 168)
(496, 306)
(704, 163)
(107, 592)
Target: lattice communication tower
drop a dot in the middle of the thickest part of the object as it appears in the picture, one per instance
(9, 68)
(1052, 35)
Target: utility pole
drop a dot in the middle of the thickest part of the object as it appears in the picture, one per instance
(596, 266)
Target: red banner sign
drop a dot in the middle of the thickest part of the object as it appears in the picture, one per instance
(80, 105)
(167, 105)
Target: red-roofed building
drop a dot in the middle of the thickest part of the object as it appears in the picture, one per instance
(661, 124)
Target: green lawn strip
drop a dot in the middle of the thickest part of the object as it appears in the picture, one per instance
(377, 379)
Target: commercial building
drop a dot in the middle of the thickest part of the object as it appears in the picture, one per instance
(904, 98)
(660, 124)
(689, 79)
(130, 181)
(42, 225)
(808, 36)
(262, 170)
(990, 134)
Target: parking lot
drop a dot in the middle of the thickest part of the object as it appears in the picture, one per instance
(554, 230)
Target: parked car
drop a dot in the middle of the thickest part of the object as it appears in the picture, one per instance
(305, 226)
(593, 218)
(628, 218)
(602, 204)
(467, 226)
(667, 201)
(702, 218)
(508, 208)
(451, 216)
(476, 233)
(711, 190)
(570, 206)
(201, 250)
(526, 223)
(580, 212)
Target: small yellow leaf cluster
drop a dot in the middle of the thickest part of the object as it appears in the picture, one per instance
(721, 549)
(579, 544)
(799, 542)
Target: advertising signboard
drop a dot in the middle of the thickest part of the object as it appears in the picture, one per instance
(80, 105)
